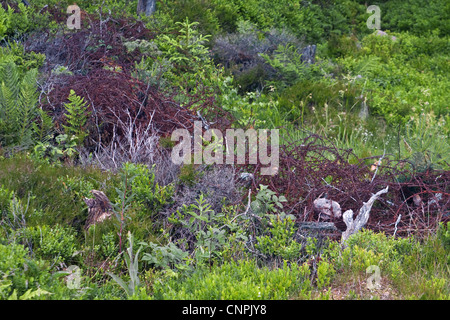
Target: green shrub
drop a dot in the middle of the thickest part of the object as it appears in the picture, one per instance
(6, 196)
(208, 236)
(323, 106)
(15, 213)
(200, 11)
(341, 45)
(367, 248)
(24, 60)
(56, 243)
(188, 174)
(287, 61)
(14, 22)
(79, 187)
(414, 17)
(280, 242)
(267, 202)
(184, 62)
(203, 235)
(325, 272)
(401, 82)
(242, 53)
(30, 178)
(165, 257)
(19, 273)
(52, 154)
(101, 242)
(242, 280)
(444, 235)
(148, 192)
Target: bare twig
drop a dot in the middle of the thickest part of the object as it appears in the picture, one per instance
(248, 206)
(396, 223)
(378, 165)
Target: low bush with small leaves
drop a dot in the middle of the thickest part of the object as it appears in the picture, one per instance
(242, 280)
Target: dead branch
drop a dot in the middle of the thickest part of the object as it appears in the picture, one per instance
(353, 226)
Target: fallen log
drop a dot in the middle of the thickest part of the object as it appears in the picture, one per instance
(317, 226)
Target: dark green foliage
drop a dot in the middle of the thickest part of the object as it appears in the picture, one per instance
(444, 235)
(415, 17)
(148, 192)
(188, 174)
(341, 45)
(311, 97)
(50, 194)
(201, 11)
(18, 99)
(247, 53)
(23, 59)
(252, 79)
(14, 21)
(280, 241)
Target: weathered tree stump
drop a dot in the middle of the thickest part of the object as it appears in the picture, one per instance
(309, 54)
(354, 225)
(146, 6)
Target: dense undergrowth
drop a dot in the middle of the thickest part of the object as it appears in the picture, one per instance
(93, 109)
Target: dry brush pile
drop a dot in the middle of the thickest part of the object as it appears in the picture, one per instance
(124, 110)
(100, 69)
(314, 169)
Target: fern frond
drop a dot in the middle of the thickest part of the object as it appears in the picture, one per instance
(27, 102)
(10, 76)
(9, 91)
(28, 94)
(43, 126)
(8, 105)
(76, 116)
(367, 66)
(18, 100)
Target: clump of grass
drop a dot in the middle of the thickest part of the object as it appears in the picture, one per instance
(47, 189)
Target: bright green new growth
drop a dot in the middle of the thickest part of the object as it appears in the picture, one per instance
(238, 280)
(13, 23)
(76, 117)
